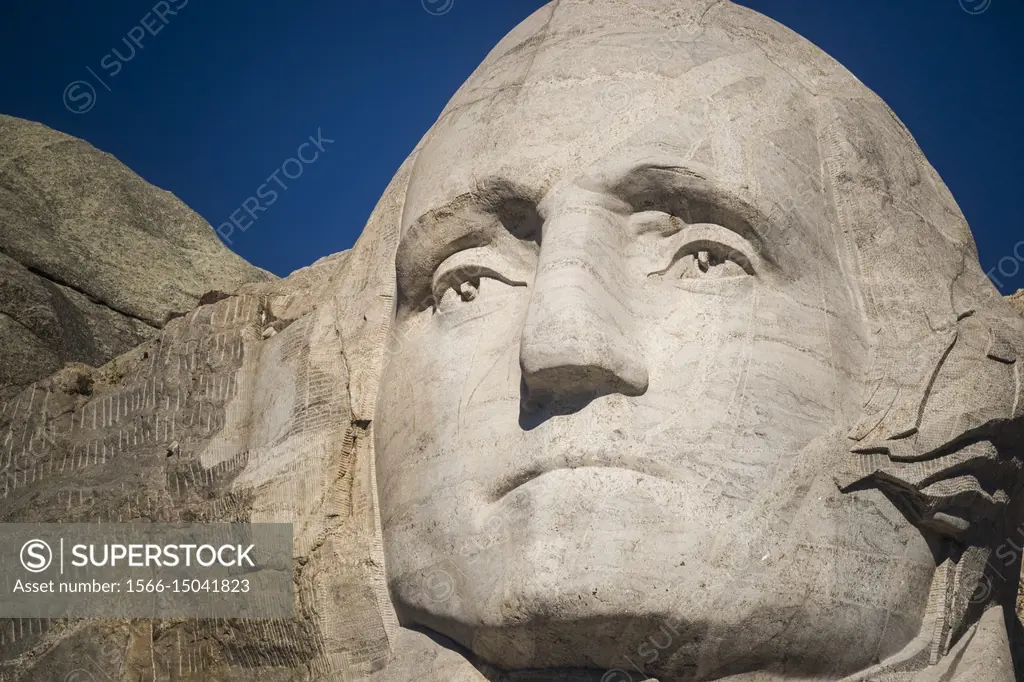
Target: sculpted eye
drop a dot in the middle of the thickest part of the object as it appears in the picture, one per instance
(458, 276)
(709, 252)
(711, 260)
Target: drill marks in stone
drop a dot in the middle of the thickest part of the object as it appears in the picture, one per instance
(9, 442)
(236, 309)
(141, 416)
(195, 472)
(4, 637)
(14, 412)
(28, 413)
(191, 346)
(1018, 375)
(44, 412)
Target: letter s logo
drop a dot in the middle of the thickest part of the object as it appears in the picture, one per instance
(36, 556)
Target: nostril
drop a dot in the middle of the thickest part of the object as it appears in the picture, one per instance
(567, 389)
(563, 389)
(580, 380)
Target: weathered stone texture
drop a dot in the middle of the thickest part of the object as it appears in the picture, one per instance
(1017, 301)
(164, 433)
(252, 407)
(93, 259)
(801, 468)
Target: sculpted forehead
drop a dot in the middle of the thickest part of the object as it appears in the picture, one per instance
(559, 103)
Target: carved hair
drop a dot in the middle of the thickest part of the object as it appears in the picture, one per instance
(941, 430)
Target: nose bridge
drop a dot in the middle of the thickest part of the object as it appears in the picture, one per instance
(579, 338)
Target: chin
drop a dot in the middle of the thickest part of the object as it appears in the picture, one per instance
(575, 628)
(587, 569)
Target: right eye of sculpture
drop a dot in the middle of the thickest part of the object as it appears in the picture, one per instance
(461, 273)
(705, 259)
(706, 251)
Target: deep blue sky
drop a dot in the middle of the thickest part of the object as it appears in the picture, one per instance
(228, 89)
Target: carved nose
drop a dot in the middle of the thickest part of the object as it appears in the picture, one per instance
(579, 338)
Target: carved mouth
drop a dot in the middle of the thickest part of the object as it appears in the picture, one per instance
(632, 466)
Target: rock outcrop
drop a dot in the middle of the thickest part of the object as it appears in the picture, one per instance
(175, 417)
(1017, 301)
(93, 259)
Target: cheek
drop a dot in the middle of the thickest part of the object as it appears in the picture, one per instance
(450, 373)
(471, 355)
(695, 342)
(746, 365)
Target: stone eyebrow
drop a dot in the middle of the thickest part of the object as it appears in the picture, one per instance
(470, 220)
(694, 197)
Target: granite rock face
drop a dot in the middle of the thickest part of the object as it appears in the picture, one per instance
(1017, 301)
(665, 356)
(93, 259)
(255, 406)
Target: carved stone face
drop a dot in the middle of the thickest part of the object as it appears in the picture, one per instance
(625, 345)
